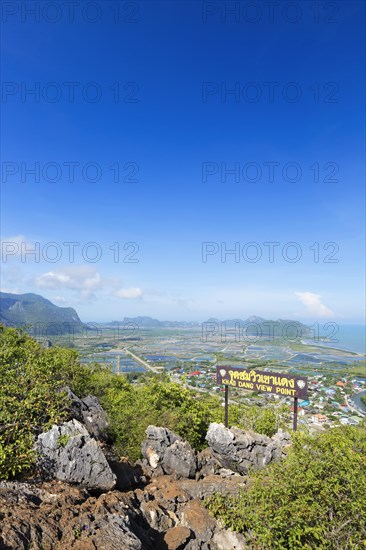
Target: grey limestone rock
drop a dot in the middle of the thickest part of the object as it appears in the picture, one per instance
(162, 448)
(68, 453)
(90, 413)
(239, 450)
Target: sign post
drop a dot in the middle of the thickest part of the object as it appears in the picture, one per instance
(226, 406)
(281, 384)
(295, 413)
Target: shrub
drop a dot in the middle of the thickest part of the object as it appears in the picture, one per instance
(31, 401)
(32, 377)
(154, 400)
(314, 499)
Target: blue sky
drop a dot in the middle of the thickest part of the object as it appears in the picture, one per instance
(177, 95)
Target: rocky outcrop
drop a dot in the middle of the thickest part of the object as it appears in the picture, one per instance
(168, 453)
(230, 450)
(68, 453)
(240, 451)
(168, 504)
(207, 463)
(226, 538)
(89, 412)
(156, 503)
(59, 516)
(177, 537)
(205, 487)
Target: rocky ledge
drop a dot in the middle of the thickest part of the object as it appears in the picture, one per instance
(85, 498)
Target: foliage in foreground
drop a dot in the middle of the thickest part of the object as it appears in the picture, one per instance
(31, 378)
(31, 400)
(153, 400)
(314, 499)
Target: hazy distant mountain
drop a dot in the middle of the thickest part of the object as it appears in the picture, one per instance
(150, 322)
(258, 326)
(254, 325)
(44, 317)
(232, 322)
(254, 319)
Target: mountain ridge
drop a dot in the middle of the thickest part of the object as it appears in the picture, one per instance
(253, 324)
(32, 309)
(40, 313)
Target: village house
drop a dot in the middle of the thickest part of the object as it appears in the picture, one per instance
(319, 418)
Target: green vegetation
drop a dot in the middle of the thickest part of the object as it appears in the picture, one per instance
(31, 400)
(63, 440)
(153, 400)
(314, 499)
(45, 317)
(264, 420)
(32, 378)
(357, 369)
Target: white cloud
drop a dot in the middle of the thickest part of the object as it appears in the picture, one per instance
(129, 293)
(60, 300)
(313, 304)
(85, 280)
(82, 277)
(11, 290)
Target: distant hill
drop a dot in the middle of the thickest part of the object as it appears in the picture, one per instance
(44, 317)
(150, 322)
(253, 325)
(257, 326)
(231, 322)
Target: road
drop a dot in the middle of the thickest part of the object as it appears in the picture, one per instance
(141, 361)
(353, 408)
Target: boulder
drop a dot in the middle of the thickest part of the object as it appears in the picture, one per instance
(113, 532)
(165, 490)
(204, 488)
(277, 448)
(197, 518)
(89, 412)
(180, 459)
(207, 463)
(68, 453)
(156, 516)
(224, 539)
(240, 451)
(163, 449)
(177, 537)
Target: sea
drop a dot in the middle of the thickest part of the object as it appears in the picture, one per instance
(350, 338)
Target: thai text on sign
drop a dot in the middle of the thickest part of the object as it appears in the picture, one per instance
(271, 382)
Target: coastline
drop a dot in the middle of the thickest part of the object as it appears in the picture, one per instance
(356, 353)
(356, 406)
(359, 407)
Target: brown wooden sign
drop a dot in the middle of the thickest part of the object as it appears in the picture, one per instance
(271, 382)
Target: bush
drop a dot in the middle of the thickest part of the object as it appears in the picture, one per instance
(153, 400)
(32, 377)
(314, 499)
(30, 380)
